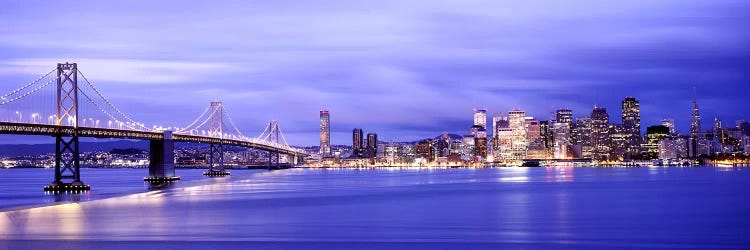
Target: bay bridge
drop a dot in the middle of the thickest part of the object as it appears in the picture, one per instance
(58, 104)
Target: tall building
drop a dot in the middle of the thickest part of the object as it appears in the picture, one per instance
(424, 150)
(654, 137)
(695, 121)
(325, 133)
(536, 148)
(561, 137)
(517, 123)
(600, 140)
(357, 143)
(480, 145)
(480, 118)
(631, 126)
(581, 136)
(669, 123)
(621, 139)
(496, 120)
(371, 150)
(545, 132)
(564, 116)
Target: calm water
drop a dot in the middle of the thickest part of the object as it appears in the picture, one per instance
(371, 209)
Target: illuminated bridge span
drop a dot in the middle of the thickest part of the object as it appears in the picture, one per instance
(55, 104)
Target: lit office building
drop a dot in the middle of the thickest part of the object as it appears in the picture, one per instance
(564, 116)
(621, 138)
(631, 125)
(503, 150)
(498, 121)
(423, 150)
(480, 118)
(581, 136)
(600, 141)
(480, 145)
(536, 149)
(517, 123)
(545, 132)
(357, 143)
(654, 136)
(561, 140)
(371, 151)
(325, 133)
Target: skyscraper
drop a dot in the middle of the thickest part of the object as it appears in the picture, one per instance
(564, 116)
(357, 143)
(654, 136)
(695, 122)
(480, 145)
(325, 133)
(372, 145)
(582, 136)
(480, 118)
(631, 126)
(517, 123)
(669, 123)
(600, 141)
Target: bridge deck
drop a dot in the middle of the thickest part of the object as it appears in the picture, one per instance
(53, 130)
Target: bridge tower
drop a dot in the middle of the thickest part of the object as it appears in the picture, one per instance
(216, 149)
(273, 136)
(67, 161)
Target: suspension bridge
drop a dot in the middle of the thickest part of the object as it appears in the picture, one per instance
(58, 104)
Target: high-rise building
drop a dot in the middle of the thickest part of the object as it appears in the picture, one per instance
(357, 143)
(669, 123)
(695, 121)
(480, 145)
(545, 132)
(600, 140)
(480, 118)
(517, 123)
(631, 126)
(497, 119)
(654, 136)
(581, 136)
(564, 116)
(325, 133)
(621, 139)
(536, 149)
(424, 150)
(371, 150)
(561, 137)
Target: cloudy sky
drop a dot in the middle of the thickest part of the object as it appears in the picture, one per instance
(403, 69)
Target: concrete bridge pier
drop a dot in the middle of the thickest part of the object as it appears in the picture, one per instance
(161, 160)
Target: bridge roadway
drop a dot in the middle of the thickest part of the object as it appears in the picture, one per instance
(53, 130)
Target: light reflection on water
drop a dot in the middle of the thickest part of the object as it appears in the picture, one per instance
(625, 207)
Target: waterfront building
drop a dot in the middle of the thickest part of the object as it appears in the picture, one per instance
(480, 145)
(621, 139)
(424, 150)
(545, 132)
(371, 150)
(498, 121)
(654, 136)
(600, 140)
(631, 126)
(442, 145)
(517, 123)
(357, 143)
(536, 149)
(503, 151)
(325, 133)
(581, 136)
(561, 140)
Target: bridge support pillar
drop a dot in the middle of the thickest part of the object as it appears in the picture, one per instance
(216, 161)
(67, 165)
(161, 160)
(273, 160)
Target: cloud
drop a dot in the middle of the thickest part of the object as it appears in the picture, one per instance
(125, 70)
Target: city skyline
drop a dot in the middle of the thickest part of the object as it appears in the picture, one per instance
(407, 74)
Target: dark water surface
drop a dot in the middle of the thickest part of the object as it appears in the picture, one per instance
(592, 208)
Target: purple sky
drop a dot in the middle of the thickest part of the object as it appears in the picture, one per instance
(403, 69)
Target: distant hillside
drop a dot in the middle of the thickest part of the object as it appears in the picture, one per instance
(10, 150)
